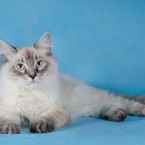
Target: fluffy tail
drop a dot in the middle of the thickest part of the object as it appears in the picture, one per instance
(138, 98)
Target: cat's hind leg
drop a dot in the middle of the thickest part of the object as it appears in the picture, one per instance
(134, 108)
(128, 107)
(112, 113)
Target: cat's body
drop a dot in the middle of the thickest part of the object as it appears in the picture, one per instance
(33, 92)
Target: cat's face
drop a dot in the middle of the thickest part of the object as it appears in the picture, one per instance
(28, 66)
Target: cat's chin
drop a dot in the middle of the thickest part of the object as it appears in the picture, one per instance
(31, 85)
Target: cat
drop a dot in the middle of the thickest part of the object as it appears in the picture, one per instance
(33, 93)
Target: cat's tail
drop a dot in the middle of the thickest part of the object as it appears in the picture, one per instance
(137, 98)
(134, 105)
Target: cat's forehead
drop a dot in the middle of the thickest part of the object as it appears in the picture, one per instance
(28, 53)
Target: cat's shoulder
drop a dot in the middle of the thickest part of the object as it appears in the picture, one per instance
(67, 79)
(65, 76)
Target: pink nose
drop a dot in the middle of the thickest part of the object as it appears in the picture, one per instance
(32, 76)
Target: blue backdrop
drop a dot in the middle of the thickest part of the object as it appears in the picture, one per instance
(101, 42)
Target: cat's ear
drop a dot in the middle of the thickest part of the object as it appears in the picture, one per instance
(7, 51)
(43, 44)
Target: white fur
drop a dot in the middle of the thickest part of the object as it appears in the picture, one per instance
(60, 97)
(61, 93)
(29, 101)
(83, 100)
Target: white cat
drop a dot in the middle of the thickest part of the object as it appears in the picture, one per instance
(33, 92)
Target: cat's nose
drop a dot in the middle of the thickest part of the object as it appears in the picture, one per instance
(32, 76)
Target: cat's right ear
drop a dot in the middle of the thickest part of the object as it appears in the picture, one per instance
(7, 51)
(43, 44)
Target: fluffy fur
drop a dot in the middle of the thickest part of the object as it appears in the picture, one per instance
(43, 99)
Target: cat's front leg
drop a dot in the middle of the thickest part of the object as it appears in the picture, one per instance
(9, 127)
(10, 123)
(49, 120)
(42, 126)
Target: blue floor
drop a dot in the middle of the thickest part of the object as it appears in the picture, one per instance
(85, 131)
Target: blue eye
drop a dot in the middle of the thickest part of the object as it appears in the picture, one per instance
(39, 63)
(20, 66)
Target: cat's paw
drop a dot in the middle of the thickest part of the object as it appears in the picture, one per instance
(9, 128)
(42, 126)
(118, 115)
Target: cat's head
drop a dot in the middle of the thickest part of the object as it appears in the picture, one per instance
(29, 65)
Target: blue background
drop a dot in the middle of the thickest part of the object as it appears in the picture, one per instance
(101, 42)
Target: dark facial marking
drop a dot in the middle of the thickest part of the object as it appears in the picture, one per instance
(13, 69)
(22, 60)
(28, 54)
(36, 58)
(44, 68)
(30, 59)
(32, 75)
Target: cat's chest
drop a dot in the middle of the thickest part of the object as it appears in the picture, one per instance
(32, 102)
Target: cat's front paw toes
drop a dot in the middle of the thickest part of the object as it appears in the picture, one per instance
(9, 128)
(42, 126)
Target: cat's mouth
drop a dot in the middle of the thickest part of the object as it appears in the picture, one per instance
(32, 83)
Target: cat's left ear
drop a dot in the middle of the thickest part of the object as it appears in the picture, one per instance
(44, 44)
(7, 51)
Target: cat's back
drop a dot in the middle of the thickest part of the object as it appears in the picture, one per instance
(69, 82)
(73, 88)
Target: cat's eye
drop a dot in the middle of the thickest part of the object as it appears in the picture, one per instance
(39, 63)
(20, 67)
